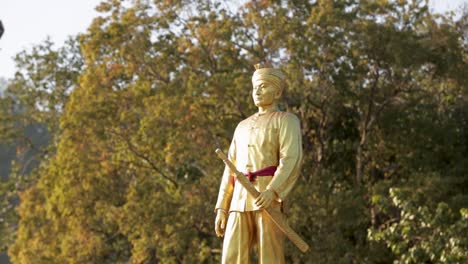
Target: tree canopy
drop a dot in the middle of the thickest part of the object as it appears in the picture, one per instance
(134, 108)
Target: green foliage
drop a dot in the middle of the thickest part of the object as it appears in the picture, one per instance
(30, 109)
(137, 105)
(425, 234)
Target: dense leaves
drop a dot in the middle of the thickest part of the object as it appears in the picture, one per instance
(135, 107)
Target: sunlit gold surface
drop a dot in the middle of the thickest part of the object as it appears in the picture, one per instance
(267, 138)
(260, 141)
(243, 230)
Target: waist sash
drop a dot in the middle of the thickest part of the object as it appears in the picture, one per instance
(251, 175)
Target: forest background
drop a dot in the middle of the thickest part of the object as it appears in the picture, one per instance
(107, 141)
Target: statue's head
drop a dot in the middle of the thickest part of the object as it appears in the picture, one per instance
(268, 85)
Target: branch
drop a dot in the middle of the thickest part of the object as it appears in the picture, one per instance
(153, 166)
(31, 145)
(370, 117)
(238, 106)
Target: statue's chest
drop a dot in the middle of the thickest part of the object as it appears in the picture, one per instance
(260, 133)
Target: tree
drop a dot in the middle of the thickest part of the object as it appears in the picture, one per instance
(30, 108)
(377, 85)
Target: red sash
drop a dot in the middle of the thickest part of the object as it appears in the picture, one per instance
(267, 171)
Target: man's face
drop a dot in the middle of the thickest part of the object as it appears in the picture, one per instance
(264, 93)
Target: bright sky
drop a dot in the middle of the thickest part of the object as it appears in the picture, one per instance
(29, 22)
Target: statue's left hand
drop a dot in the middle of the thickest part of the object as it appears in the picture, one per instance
(220, 222)
(265, 198)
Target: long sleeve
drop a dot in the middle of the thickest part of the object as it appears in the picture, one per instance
(290, 156)
(226, 188)
(260, 141)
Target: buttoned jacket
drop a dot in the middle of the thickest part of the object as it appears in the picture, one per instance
(262, 140)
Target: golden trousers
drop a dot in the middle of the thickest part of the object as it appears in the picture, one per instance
(244, 230)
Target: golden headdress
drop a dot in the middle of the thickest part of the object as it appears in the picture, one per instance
(267, 73)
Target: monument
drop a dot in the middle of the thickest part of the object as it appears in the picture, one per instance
(267, 148)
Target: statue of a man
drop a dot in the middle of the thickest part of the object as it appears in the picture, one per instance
(267, 147)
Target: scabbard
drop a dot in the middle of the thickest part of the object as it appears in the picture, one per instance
(275, 215)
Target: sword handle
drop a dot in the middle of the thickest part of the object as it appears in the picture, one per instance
(240, 177)
(275, 215)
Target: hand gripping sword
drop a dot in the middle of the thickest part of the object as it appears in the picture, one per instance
(275, 215)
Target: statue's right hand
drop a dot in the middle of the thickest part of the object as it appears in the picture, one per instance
(220, 222)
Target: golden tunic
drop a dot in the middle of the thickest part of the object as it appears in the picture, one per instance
(262, 140)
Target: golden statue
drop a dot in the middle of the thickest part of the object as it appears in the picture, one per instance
(266, 147)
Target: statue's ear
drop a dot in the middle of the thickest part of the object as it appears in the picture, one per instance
(278, 93)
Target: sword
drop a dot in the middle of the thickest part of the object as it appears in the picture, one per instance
(275, 215)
